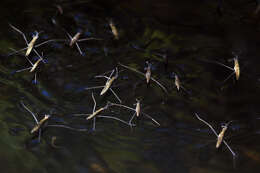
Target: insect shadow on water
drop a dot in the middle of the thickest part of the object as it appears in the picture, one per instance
(95, 113)
(39, 124)
(137, 112)
(109, 82)
(220, 137)
(147, 75)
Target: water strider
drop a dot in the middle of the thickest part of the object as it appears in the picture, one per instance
(137, 111)
(148, 72)
(235, 69)
(30, 46)
(75, 39)
(113, 29)
(219, 136)
(33, 67)
(39, 124)
(147, 75)
(109, 82)
(96, 113)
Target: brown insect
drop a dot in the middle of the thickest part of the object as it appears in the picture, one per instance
(109, 82)
(113, 29)
(75, 39)
(177, 82)
(96, 113)
(219, 136)
(235, 69)
(30, 46)
(33, 67)
(138, 107)
(40, 123)
(137, 111)
(148, 72)
(147, 75)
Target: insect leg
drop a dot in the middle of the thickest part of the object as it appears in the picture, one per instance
(115, 95)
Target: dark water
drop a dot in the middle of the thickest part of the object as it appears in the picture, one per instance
(189, 34)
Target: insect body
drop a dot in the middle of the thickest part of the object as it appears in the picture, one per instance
(40, 123)
(113, 29)
(221, 136)
(177, 82)
(236, 68)
(31, 44)
(138, 108)
(108, 84)
(75, 38)
(36, 64)
(96, 112)
(148, 72)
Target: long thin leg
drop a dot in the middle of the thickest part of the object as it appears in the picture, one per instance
(129, 68)
(228, 77)
(35, 80)
(35, 119)
(16, 51)
(77, 45)
(213, 130)
(94, 108)
(115, 118)
(224, 65)
(120, 101)
(16, 29)
(164, 89)
(38, 45)
(39, 135)
(94, 123)
(80, 114)
(120, 105)
(107, 72)
(23, 69)
(47, 41)
(38, 55)
(90, 38)
(148, 116)
(29, 60)
(111, 73)
(67, 127)
(69, 36)
(96, 87)
(130, 121)
(100, 76)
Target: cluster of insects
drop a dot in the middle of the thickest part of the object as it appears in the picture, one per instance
(31, 47)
